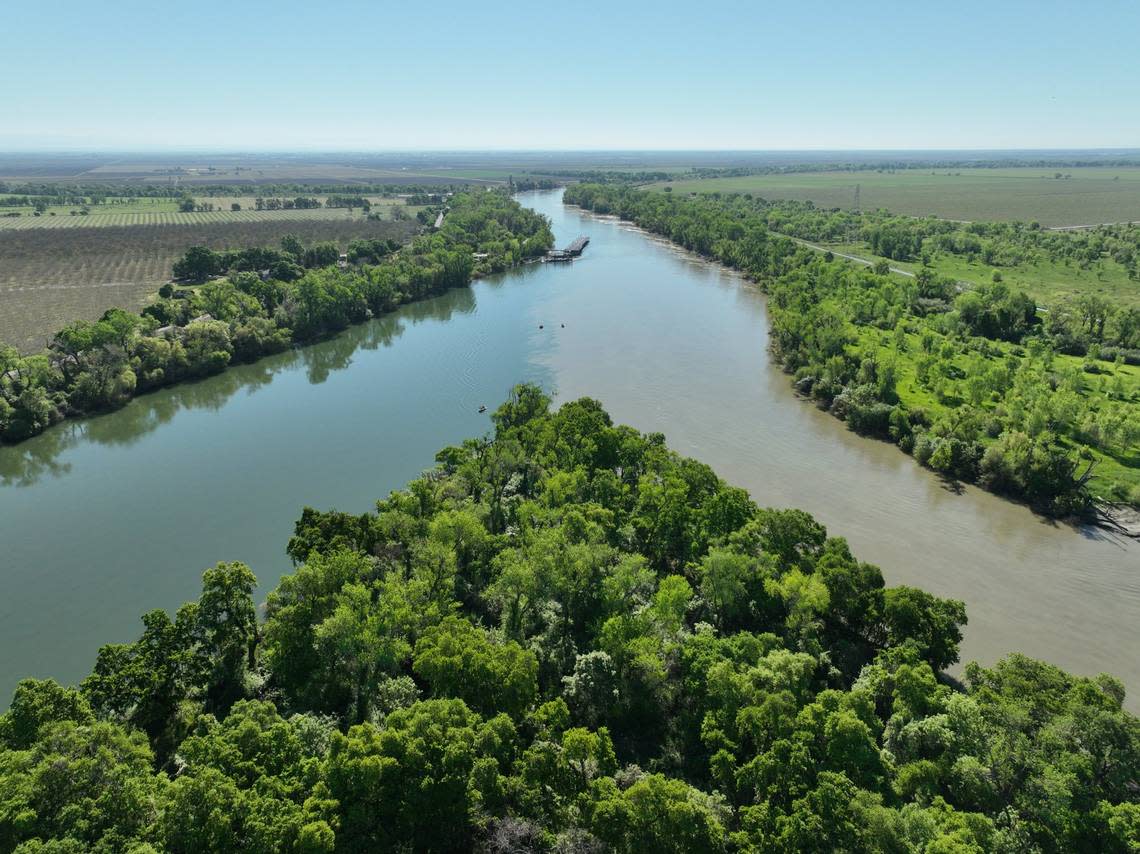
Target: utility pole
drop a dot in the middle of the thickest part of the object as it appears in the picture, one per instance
(851, 220)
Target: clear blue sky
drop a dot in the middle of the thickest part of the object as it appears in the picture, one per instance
(242, 75)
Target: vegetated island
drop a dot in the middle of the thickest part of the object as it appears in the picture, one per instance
(566, 638)
(240, 305)
(970, 381)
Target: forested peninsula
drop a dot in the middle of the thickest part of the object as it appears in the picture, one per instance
(976, 382)
(565, 637)
(238, 306)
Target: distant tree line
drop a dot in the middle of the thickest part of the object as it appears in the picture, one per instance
(648, 176)
(299, 203)
(527, 183)
(74, 193)
(607, 176)
(42, 201)
(889, 165)
(423, 199)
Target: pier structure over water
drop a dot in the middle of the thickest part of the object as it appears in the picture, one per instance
(570, 252)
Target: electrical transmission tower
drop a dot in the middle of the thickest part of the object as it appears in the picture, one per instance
(856, 206)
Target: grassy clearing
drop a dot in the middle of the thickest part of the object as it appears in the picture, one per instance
(52, 276)
(115, 205)
(1116, 476)
(1090, 195)
(1046, 281)
(165, 212)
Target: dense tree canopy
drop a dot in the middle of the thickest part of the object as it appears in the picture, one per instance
(565, 637)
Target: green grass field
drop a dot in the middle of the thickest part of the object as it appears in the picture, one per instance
(1116, 476)
(165, 212)
(116, 205)
(1090, 195)
(1046, 281)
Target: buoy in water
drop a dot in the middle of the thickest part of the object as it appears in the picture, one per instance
(540, 326)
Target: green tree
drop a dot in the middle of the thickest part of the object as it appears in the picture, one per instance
(198, 264)
(458, 659)
(227, 626)
(933, 625)
(657, 815)
(724, 578)
(415, 783)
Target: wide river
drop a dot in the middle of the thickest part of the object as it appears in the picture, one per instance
(104, 519)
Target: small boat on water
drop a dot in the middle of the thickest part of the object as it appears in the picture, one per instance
(482, 409)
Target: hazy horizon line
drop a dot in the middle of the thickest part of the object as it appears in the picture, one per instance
(192, 149)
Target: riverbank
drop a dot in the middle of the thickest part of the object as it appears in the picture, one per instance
(1119, 519)
(1116, 519)
(920, 364)
(193, 332)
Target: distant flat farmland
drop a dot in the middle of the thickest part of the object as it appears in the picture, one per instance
(53, 274)
(1081, 196)
(114, 219)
